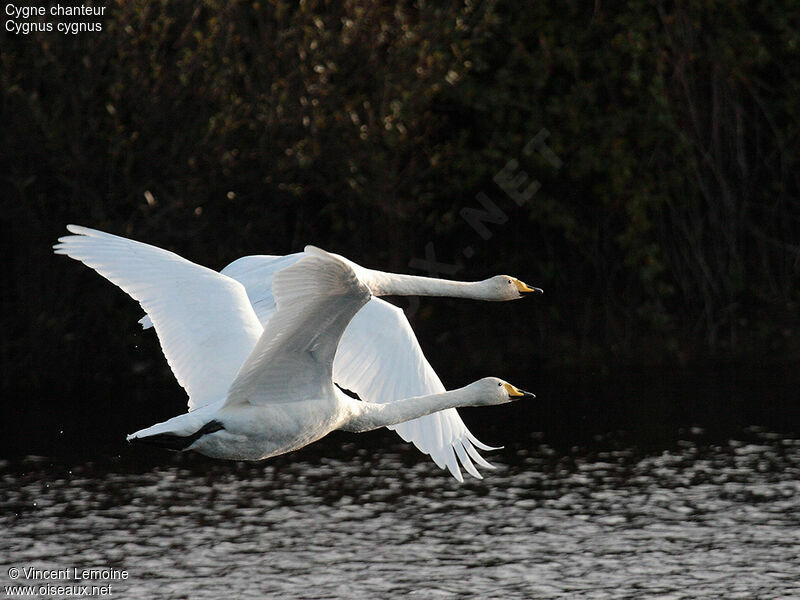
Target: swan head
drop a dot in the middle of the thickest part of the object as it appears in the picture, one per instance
(505, 287)
(491, 391)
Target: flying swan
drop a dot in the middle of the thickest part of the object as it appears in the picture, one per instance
(208, 323)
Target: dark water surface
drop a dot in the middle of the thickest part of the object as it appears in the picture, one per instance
(698, 520)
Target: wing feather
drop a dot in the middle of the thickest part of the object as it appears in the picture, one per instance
(204, 320)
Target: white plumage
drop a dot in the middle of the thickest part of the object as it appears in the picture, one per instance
(210, 325)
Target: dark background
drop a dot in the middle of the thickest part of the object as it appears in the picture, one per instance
(665, 229)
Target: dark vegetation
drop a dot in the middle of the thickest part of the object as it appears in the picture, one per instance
(665, 229)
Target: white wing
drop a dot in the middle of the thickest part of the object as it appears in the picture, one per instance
(380, 359)
(293, 360)
(204, 320)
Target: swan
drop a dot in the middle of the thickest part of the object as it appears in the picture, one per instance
(378, 357)
(283, 396)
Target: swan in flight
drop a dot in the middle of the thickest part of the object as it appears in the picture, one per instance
(209, 322)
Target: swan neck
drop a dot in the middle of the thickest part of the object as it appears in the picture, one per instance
(392, 284)
(367, 416)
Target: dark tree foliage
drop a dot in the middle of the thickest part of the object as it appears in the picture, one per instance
(665, 227)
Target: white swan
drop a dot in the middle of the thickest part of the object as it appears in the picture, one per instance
(378, 357)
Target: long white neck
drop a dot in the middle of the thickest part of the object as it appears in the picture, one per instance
(392, 284)
(366, 416)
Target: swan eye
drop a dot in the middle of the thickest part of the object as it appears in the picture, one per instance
(499, 384)
(510, 282)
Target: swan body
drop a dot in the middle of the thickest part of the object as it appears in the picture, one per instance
(210, 325)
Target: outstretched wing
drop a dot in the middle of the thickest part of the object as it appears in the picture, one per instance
(380, 359)
(204, 320)
(316, 298)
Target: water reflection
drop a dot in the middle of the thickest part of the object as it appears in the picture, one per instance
(696, 521)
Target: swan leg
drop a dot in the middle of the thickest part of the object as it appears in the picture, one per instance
(172, 441)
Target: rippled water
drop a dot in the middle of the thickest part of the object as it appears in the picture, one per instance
(695, 521)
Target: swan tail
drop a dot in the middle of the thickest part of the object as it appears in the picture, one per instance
(172, 440)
